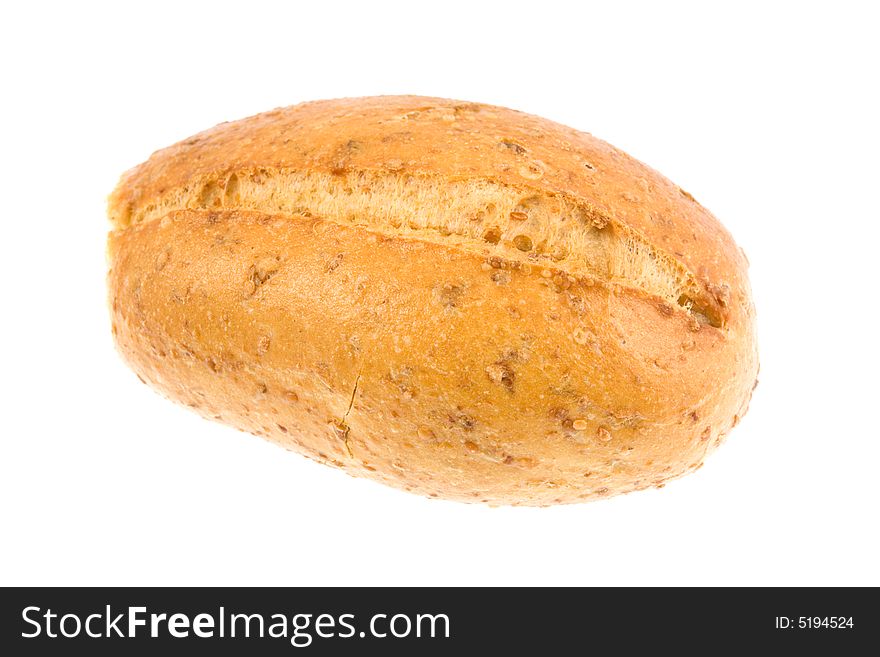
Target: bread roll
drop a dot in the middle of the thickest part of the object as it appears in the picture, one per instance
(456, 299)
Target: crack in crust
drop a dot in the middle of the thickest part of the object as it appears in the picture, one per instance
(477, 215)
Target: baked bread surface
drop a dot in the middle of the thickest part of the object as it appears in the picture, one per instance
(456, 299)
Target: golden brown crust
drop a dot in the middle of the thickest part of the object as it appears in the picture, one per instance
(438, 363)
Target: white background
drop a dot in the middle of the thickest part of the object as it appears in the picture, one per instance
(767, 113)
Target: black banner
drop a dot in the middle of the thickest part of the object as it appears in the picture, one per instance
(114, 621)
